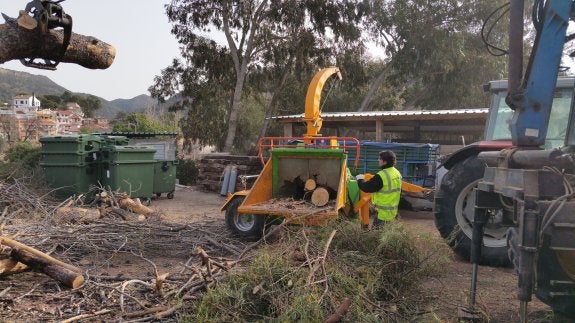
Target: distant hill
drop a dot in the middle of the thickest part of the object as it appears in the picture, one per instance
(15, 82)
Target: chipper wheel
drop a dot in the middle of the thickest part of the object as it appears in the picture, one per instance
(245, 225)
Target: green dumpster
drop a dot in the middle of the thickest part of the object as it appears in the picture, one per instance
(70, 163)
(74, 144)
(76, 150)
(109, 140)
(70, 179)
(165, 177)
(129, 169)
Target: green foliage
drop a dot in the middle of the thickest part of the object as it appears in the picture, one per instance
(89, 104)
(23, 159)
(187, 172)
(251, 122)
(435, 48)
(140, 122)
(269, 40)
(368, 267)
(434, 59)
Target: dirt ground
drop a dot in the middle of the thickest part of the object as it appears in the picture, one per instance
(190, 205)
(496, 290)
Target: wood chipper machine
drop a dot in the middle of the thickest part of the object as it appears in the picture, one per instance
(305, 180)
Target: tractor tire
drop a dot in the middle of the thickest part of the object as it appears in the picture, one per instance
(453, 209)
(244, 225)
(555, 279)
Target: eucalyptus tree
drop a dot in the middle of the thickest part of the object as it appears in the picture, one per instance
(434, 49)
(259, 35)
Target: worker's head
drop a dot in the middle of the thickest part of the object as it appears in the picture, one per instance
(386, 158)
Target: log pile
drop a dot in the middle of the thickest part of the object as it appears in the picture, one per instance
(211, 170)
(106, 204)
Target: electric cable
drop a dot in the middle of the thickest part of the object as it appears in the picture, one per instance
(492, 49)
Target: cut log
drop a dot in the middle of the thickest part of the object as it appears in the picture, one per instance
(310, 185)
(10, 266)
(20, 43)
(320, 196)
(63, 275)
(37, 253)
(136, 207)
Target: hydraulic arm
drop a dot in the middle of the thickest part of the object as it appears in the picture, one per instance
(533, 99)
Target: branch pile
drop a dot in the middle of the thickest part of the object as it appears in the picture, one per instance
(125, 269)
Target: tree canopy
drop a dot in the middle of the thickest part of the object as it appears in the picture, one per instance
(434, 58)
(89, 104)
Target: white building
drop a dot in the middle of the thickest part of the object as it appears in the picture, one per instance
(24, 103)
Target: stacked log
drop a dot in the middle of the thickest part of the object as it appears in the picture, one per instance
(211, 170)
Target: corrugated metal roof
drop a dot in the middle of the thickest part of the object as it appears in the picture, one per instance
(336, 115)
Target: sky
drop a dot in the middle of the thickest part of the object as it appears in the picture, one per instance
(138, 29)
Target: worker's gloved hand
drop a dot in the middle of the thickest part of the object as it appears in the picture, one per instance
(360, 177)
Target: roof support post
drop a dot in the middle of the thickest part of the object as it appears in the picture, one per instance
(378, 130)
(288, 129)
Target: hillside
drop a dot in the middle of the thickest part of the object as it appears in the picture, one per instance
(15, 82)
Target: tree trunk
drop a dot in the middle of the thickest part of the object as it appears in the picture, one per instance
(366, 102)
(87, 51)
(241, 60)
(234, 110)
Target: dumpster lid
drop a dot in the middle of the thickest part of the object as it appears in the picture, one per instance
(141, 134)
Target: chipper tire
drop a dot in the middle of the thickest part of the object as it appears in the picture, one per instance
(244, 225)
(453, 210)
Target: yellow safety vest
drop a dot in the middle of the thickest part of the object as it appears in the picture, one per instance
(386, 200)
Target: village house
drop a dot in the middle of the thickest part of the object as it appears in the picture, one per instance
(24, 119)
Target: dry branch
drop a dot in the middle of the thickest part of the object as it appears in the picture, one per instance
(85, 316)
(340, 312)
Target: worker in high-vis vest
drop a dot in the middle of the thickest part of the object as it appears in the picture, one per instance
(386, 188)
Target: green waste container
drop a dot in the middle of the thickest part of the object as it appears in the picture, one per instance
(129, 169)
(69, 179)
(70, 163)
(75, 144)
(165, 177)
(108, 140)
(76, 150)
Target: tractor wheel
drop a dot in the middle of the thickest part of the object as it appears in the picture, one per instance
(245, 225)
(454, 208)
(555, 279)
